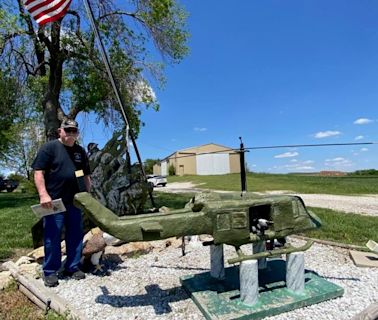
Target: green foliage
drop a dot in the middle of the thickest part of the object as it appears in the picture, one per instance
(8, 112)
(17, 177)
(368, 172)
(63, 67)
(294, 183)
(19, 122)
(35, 91)
(149, 165)
(28, 137)
(172, 170)
(26, 186)
(166, 20)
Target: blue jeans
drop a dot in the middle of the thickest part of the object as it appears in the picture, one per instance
(53, 226)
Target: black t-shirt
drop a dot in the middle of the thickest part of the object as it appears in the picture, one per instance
(59, 163)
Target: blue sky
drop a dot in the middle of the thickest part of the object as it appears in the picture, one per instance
(274, 73)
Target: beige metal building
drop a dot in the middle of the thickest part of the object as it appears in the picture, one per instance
(208, 159)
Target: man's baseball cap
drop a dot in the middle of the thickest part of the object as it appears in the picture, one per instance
(69, 123)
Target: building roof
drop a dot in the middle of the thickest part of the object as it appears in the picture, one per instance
(192, 151)
(206, 144)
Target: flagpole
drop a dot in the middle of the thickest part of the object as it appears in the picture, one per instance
(117, 92)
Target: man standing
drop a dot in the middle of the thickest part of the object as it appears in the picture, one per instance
(55, 166)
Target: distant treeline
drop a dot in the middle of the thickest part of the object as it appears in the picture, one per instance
(368, 172)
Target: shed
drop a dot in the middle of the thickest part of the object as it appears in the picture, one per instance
(207, 159)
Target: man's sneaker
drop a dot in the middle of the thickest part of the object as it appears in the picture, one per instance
(77, 275)
(51, 280)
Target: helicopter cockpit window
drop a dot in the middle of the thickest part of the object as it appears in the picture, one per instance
(259, 212)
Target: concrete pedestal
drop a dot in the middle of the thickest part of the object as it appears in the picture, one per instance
(249, 282)
(260, 247)
(217, 262)
(295, 272)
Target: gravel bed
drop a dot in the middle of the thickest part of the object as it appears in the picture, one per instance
(148, 287)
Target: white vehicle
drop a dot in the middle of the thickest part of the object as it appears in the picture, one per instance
(157, 180)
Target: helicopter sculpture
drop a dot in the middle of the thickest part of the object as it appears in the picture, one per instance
(229, 218)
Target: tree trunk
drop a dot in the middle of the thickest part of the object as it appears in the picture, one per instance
(50, 116)
(52, 112)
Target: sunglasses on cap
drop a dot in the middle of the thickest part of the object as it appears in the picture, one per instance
(70, 130)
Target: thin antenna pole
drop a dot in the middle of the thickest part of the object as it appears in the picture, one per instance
(242, 168)
(117, 92)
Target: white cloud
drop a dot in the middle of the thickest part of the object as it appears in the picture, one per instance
(199, 129)
(359, 138)
(338, 162)
(326, 134)
(335, 159)
(297, 167)
(287, 155)
(305, 168)
(364, 149)
(362, 121)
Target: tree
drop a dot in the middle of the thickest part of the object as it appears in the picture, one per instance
(8, 112)
(28, 134)
(60, 62)
(21, 130)
(149, 165)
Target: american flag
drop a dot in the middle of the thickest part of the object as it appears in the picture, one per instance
(44, 11)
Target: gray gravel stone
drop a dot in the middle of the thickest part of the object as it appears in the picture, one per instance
(148, 287)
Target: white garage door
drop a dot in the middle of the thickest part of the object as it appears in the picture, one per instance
(208, 164)
(164, 168)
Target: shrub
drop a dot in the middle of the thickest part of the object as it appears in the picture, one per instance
(171, 170)
(28, 187)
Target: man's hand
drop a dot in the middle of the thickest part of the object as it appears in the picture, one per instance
(45, 201)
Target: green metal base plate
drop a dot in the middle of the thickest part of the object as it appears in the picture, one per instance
(221, 299)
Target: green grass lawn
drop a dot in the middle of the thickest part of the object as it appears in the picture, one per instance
(171, 200)
(347, 185)
(16, 220)
(344, 227)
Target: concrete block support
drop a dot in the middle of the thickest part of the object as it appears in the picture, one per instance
(295, 278)
(217, 262)
(260, 247)
(249, 281)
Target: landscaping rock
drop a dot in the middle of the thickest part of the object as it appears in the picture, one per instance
(5, 279)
